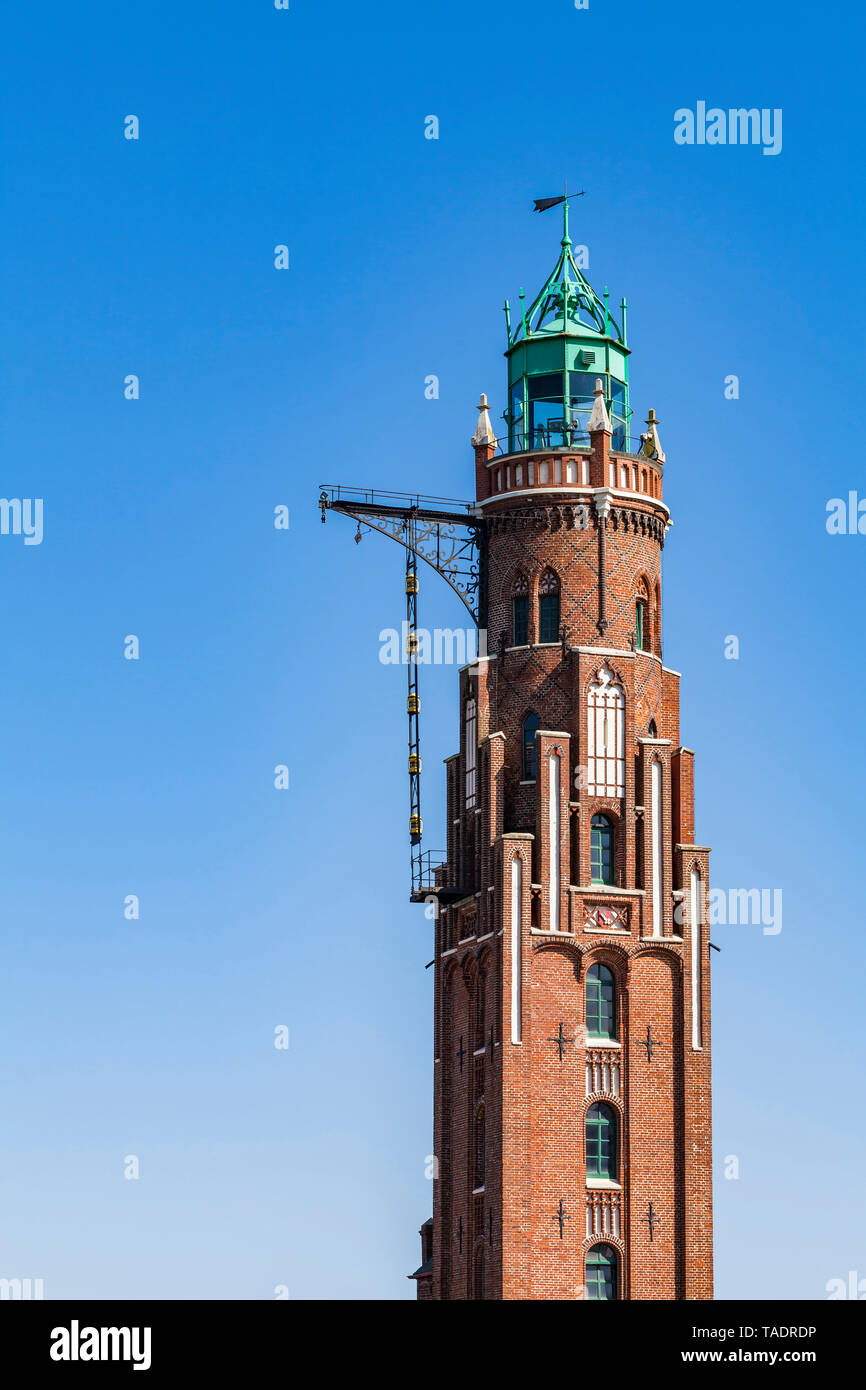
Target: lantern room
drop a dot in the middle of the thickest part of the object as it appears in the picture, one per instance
(557, 349)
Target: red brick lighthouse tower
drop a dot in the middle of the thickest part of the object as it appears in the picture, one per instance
(572, 1013)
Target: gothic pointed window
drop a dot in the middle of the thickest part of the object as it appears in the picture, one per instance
(600, 1002)
(643, 618)
(520, 611)
(471, 729)
(601, 1273)
(548, 607)
(601, 847)
(601, 1143)
(606, 736)
(530, 728)
(653, 730)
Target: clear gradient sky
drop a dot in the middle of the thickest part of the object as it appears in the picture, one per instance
(258, 647)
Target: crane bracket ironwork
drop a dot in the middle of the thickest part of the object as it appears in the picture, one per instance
(448, 537)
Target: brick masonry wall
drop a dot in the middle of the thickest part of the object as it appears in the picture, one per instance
(497, 1049)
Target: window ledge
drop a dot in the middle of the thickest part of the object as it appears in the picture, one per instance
(600, 890)
(607, 1184)
(602, 1043)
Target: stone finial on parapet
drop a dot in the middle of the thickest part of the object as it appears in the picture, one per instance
(650, 443)
(484, 444)
(599, 436)
(599, 419)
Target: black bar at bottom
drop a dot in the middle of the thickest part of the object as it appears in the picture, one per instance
(214, 1340)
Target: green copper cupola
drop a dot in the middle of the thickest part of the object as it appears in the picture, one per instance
(557, 349)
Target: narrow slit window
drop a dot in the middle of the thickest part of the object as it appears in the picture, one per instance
(548, 607)
(601, 1142)
(600, 1002)
(530, 729)
(641, 625)
(471, 725)
(601, 850)
(520, 611)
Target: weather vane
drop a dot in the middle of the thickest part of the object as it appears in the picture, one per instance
(542, 204)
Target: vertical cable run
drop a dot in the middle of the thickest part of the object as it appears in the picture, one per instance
(413, 708)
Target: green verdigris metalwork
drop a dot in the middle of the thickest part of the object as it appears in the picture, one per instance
(559, 346)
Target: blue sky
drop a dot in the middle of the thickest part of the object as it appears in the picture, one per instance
(260, 907)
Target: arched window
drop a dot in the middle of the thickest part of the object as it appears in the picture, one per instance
(601, 1272)
(643, 618)
(600, 1002)
(601, 1142)
(606, 736)
(520, 611)
(657, 621)
(653, 730)
(530, 729)
(480, 1147)
(548, 607)
(471, 729)
(601, 850)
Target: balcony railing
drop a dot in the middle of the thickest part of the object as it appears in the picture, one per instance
(559, 422)
(428, 869)
(573, 438)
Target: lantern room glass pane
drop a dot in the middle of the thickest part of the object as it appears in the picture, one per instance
(546, 411)
(581, 386)
(517, 423)
(618, 419)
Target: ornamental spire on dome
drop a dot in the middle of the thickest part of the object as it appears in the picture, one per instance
(566, 303)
